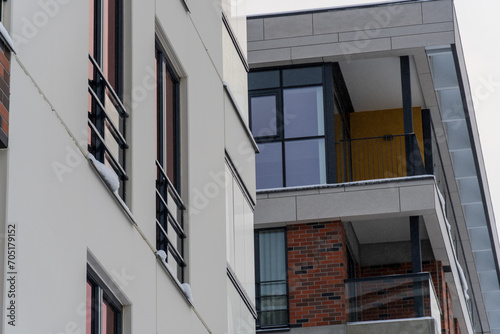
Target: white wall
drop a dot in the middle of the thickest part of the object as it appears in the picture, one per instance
(63, 208)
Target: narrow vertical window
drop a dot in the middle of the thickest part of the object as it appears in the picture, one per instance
(169, 205)
(104, 313)
(271, 279)
(106, 113)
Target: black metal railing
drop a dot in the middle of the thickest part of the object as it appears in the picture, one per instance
(381, 157)
(272, 304)
(170, 233)
(391, 297)
(106, 117)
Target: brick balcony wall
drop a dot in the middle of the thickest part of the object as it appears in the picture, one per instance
(5, 55)
(317, 254)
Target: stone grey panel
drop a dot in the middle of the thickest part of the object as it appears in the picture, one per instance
(339, 49)
(288, 26)
(398, 31)
(270, 56)
(275, 210)
(333, 329)
(293, 41)
(410, 326)
(348, 204)
(417, 198)
(441, 38)
(437, 11)
(367, 18)
(255, 30)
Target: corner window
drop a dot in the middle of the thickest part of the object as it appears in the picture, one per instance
(287, 119)
(106, 113)
(271, 279)
(104, 313)
(170, 208)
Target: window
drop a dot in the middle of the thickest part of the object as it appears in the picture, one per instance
(106, 113)
(271, 279)
(287, 119)
(104, 312)
(169, 206)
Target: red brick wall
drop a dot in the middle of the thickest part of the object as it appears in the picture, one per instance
(317, 256)
(317, 268)
(4, 94)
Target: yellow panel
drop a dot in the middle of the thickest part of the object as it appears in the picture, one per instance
(377, 146)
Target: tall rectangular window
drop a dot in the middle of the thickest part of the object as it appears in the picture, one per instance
(287, 119)
(271, 279)
(106, 112)
(104, 313)
(170, 208)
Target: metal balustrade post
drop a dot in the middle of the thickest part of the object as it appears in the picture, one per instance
(416, 261)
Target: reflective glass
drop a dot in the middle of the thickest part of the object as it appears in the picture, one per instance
(303, 112)
(463, 161)
(305, 162)
(263, 109)
(269, 168)
(444, 71)
(484, 261)
(451, 104)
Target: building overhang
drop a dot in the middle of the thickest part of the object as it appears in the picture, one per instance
(382, 205)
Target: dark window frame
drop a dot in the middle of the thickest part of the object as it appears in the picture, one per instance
(258, 281)
(328, 108)
(101, 126)
(100, 294)
(165, 187)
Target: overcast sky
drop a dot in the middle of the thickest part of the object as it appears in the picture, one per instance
(480, 33)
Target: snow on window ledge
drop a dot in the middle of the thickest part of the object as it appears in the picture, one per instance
(110, 179)
(4, 35)
(185, 288)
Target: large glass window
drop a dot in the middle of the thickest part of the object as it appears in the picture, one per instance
(106, 113)
(271, 278)
(287, 119)
(170, 208)
(104, 313)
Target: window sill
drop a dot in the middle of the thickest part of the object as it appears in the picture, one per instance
(174, 279)
(5, 37)
(118, 199)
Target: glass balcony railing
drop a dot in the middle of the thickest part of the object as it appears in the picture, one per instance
(392, 297)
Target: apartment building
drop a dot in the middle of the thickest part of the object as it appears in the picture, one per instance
(373, 211)
(127, 171)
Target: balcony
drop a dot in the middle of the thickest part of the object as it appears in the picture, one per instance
(379, 299)
(383, 157)
(170, 233)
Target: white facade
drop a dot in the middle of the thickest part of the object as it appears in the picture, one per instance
(67, 219)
